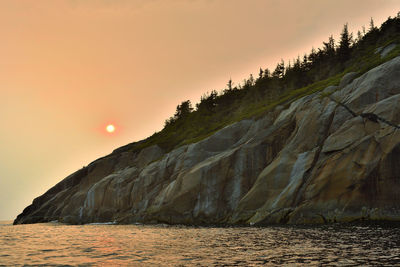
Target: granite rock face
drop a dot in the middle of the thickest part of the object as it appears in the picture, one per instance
(310, 162)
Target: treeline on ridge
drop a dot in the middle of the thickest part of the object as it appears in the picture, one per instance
(235, 102)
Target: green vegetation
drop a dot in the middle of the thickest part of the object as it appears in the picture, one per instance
(288, 82)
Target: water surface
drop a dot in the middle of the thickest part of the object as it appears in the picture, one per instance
(56, 244)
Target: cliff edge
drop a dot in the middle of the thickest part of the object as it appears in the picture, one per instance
(319, 159)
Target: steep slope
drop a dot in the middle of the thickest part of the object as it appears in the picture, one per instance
(314, 161)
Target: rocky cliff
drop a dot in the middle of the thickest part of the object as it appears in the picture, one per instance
(319, 159)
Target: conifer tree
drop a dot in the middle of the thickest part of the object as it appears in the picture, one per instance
(372, 25)
(329, 47)
(229, 84)
(279, 71)
(267, 73)
(344, 45)
(250, 81)
(359, 36)
(183, 109)
(208, 102)
(297, 63)
(260, 74)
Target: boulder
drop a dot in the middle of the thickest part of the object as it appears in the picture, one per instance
(347, 78)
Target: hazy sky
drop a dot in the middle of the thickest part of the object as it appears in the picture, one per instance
(68, 68)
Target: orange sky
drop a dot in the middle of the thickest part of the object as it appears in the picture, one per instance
(68, 68)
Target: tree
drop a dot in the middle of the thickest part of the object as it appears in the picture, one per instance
(305, 64)
(311, 60)
(359, 36)
(183, 109)
(208, 102)
(251, 80)
(260, 74)
(279, 71)
(247, 83)
(169, 121)
(372, 25)
(297, 64)
(329, 47)
(267, 73)
(229, 84)
(344, 45)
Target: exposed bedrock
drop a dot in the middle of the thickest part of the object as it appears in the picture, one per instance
(309, 162)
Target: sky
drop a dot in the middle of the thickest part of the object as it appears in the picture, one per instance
(68, 68)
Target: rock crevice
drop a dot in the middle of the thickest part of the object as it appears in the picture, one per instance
(320, 160)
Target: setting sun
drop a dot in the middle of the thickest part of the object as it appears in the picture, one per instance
(110, 128)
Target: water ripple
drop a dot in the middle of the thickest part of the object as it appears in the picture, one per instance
(63, 245)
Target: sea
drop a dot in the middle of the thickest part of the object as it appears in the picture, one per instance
(54, 244)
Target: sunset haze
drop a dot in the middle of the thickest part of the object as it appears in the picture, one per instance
(69, 69)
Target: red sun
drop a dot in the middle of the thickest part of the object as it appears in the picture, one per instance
(110, 128)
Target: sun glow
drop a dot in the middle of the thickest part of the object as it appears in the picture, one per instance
(110, 128)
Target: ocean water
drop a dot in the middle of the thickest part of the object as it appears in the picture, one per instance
(160, 245)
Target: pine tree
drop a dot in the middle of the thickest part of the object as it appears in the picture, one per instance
(267, 73)
(260, 74)
(183, 109)
(279, 71)
(359, 36)
(344, 45)
(372, 25)
(250, 81)
(229, 84)
(311, 59)
(297, 63)
(329, 47)
(208, 102)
